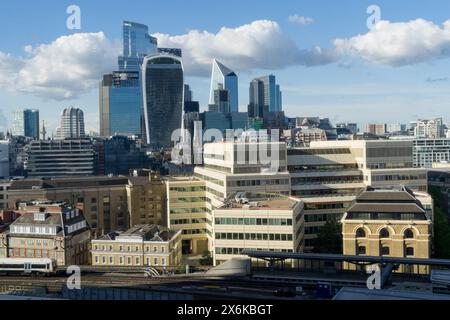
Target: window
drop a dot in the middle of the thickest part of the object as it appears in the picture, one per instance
(409, 252)
(409, 234)
(361, 233)
(385, 251)
(384, 233)
(361, 250)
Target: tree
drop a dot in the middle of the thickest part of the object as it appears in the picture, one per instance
(207, 259)
(329, 240)
(441, 238)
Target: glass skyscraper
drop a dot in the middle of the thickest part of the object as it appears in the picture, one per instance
(121, 104)
(137, 43)
(163, 97)
(26, 123)
(223, 78)
(265, 96)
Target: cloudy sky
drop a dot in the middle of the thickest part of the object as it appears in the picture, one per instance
(327, 60)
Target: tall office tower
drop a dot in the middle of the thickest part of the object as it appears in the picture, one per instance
(26, 123)
(72, 124)
(137, 43)
(4, 159)
(428, 152)
(223, 78)
(163, 98)
(265, 96)
(174, 51)
(376, 129)
(121, 104)
(63, 158)
(429, 129)
(188, 96)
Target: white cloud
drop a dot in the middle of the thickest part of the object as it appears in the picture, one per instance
(301, 19)
(400, 44)
(63, 69)
(258, 45)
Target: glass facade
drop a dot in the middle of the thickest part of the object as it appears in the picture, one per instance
(163, 88)
(121, 104)
(26, 123)
(223, 78)
(265, 96)
(137, 43)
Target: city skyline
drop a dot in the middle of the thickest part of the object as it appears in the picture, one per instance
(338, 80)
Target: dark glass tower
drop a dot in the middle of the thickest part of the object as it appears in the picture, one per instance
(163, 96)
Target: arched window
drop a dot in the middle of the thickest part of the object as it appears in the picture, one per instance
(361, 250)
(409, 252)
(385, 251)
(384, 233)
(409, 234)
(360, 233)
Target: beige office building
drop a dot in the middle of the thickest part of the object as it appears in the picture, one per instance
(142, 245)
(262, 222)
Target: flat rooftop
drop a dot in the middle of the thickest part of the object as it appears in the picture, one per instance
(262, 204)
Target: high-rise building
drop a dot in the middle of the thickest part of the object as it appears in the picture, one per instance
(26, 123)
(265, 96)
(163, 96)
(224, 79)
(53, 158)
(429, 129)
(4, 159)
(72, 124)
(121, 104)
(137, 43)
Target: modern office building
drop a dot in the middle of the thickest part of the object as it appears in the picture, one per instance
(224, 79)
(137, 43)
(430, 151)
(224, 121)
(429, 129)
(328, 175)
(120, 154)
(26, 123)
(263, 222)
(121, 111)
(395, 127)
(439, 179)
(63, 158)
(265, 96)
(163, 96)
(388, 222)
(4, 159)
(72, 124)
(48, 230)
(143, 245)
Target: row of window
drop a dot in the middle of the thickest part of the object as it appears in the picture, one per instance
(385, 251)
(253, 222)
(129, 261)
(384, 233)
(110, 248)
(253, 183)
(236, 251)
(254, 236)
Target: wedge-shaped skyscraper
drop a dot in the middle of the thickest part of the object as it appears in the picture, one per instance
(163, 97)
(222, 79)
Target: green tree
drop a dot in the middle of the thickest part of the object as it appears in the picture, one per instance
(329, 240)
(207, 259)
(441, 237)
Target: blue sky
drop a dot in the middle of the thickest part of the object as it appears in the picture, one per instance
(398, 84)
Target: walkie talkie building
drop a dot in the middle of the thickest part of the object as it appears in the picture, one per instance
(163, 94)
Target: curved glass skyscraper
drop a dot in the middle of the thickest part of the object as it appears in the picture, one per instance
(163, 96)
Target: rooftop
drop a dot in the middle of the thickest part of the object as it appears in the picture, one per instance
(249, 201)
(145, 232)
